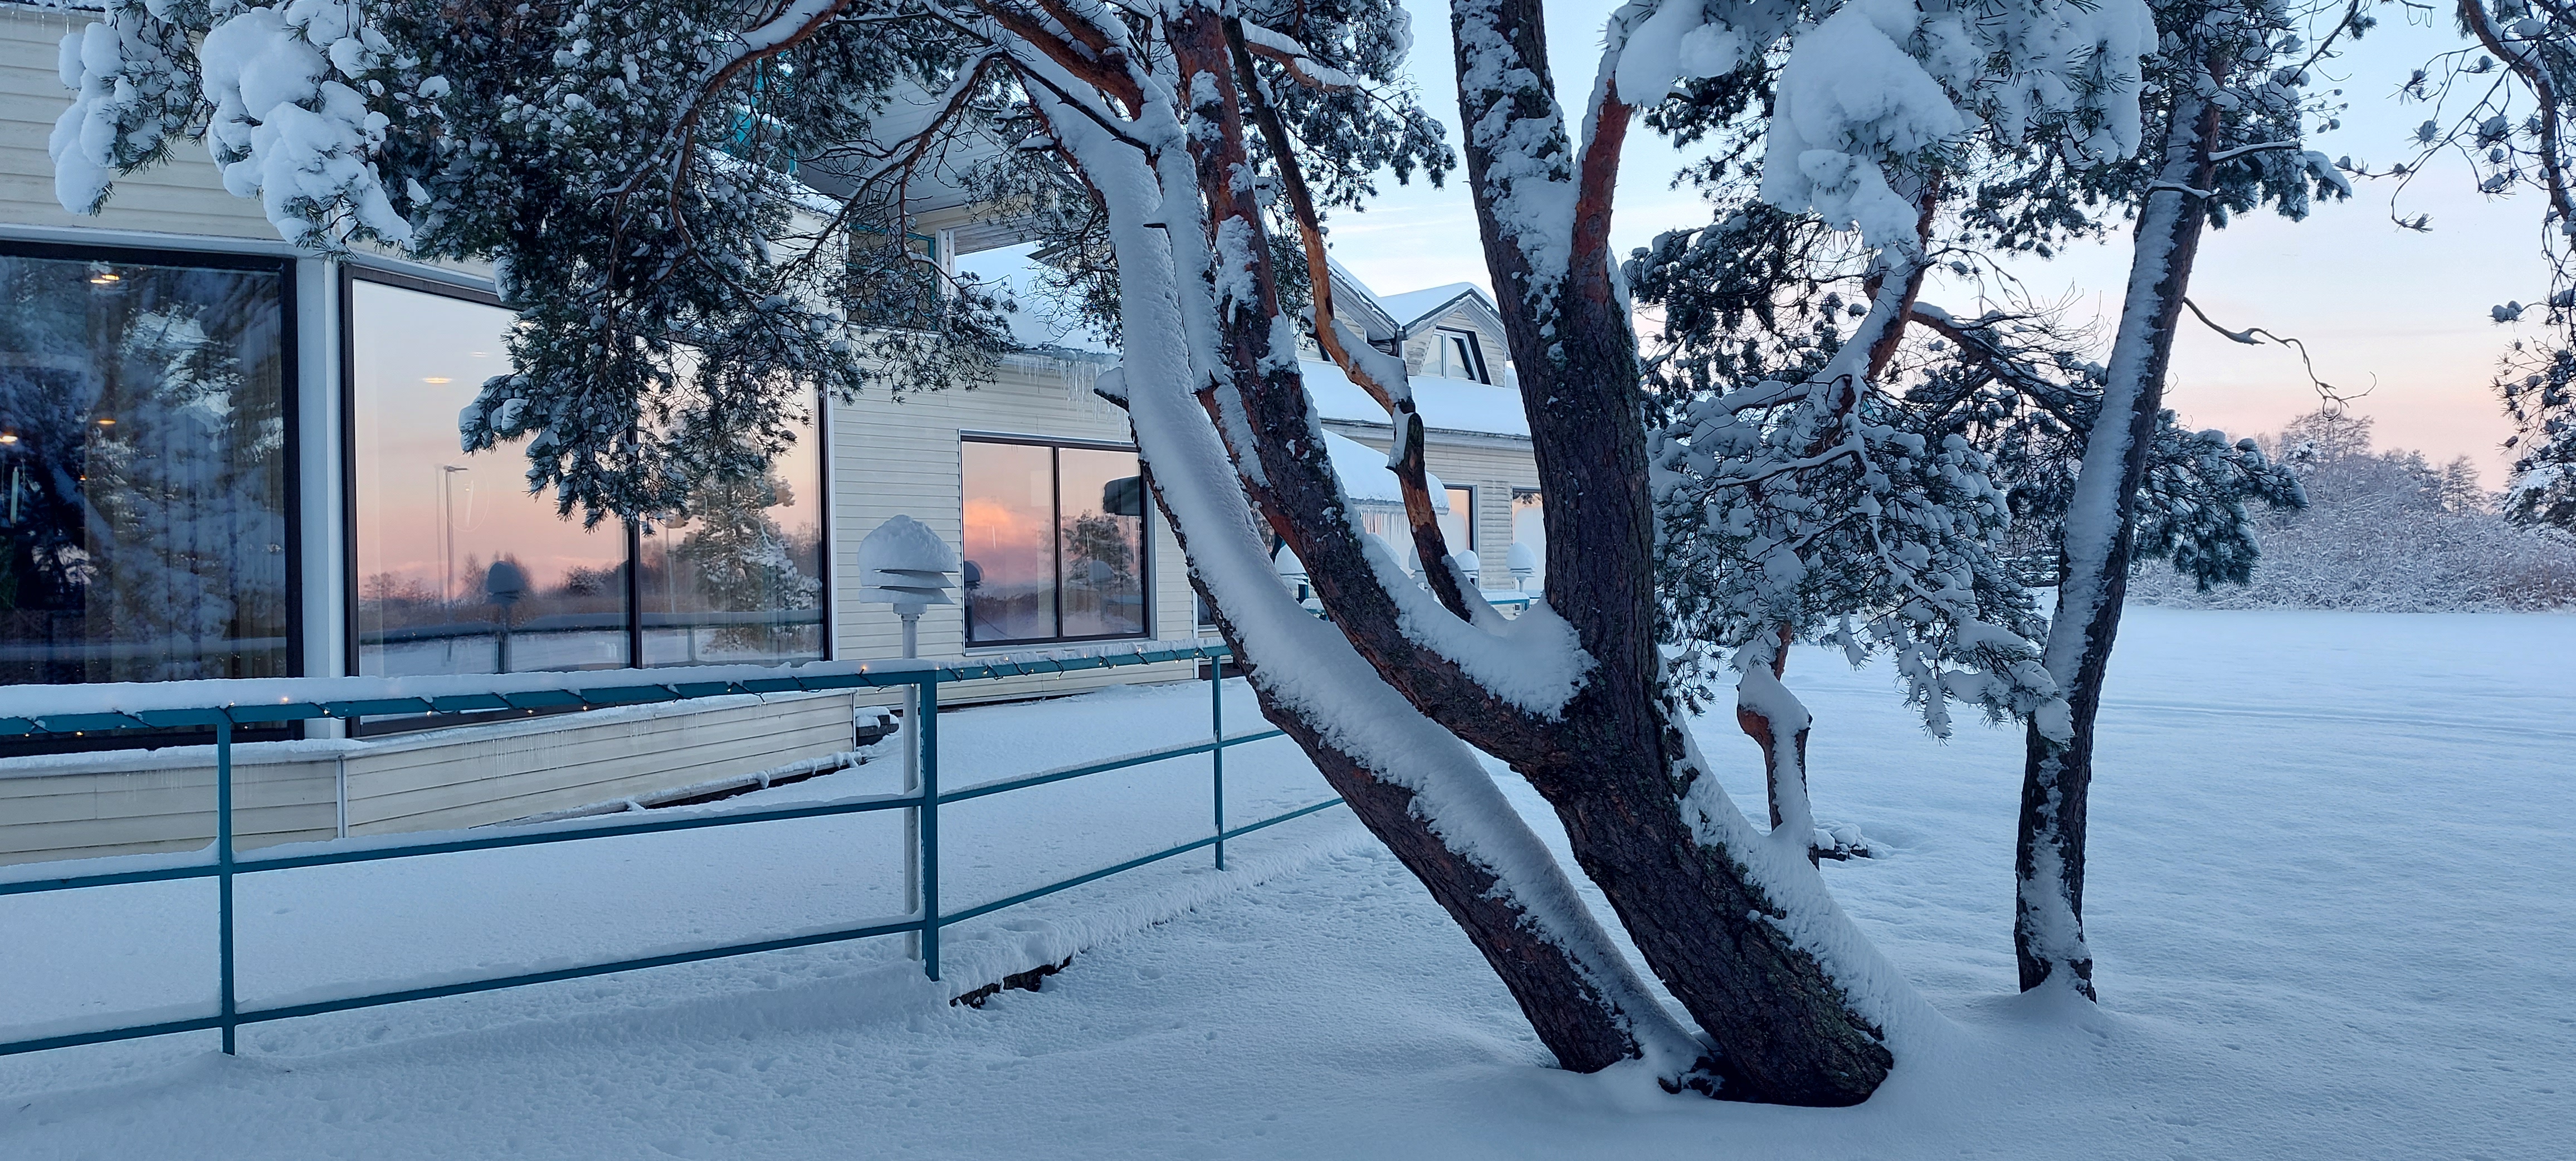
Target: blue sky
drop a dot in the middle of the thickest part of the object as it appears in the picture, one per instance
(2372, 301)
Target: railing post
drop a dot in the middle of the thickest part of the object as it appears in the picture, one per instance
(224, 877)
(912, 830)
(926, 704)
(1216, 757)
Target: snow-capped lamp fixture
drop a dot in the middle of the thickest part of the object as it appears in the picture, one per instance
(1523, 561)
(1470, 566)
(905, 564)
(1292, 572)
(505, 585)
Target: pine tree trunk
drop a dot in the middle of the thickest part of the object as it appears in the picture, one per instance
(1562, 969)
(1614, 766)
(2057, 776)
(1585, 1030)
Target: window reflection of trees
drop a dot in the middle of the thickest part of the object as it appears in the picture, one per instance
(727, 581)
(142, 472)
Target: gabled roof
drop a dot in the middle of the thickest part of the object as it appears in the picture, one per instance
(1415, 308)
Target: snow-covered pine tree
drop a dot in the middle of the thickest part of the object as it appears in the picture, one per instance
(1803, 492)
(2019, 389)
(2229, 112)
(2538, 386)
(488, 130)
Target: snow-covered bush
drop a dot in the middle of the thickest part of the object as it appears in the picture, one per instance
(2538, 385)
(2384, 531)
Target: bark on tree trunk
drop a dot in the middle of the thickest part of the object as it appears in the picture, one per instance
(1614, 766)
(2057, 777)
(1584, 1028)
(1561, 997)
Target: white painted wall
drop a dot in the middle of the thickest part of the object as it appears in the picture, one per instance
(899, 454)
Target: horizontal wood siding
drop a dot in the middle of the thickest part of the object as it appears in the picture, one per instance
(486, 780)
(1493, 468)
(153, 811)
(183, 196)
(142, 802)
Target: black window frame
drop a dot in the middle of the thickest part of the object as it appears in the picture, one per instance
(350, 275)
(1467, 518)
(1055, 465)
(291, 452)
(1475, 350)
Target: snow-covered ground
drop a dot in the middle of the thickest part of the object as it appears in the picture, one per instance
(2331, 896)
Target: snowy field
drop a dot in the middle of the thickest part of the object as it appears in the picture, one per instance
(2332, 897)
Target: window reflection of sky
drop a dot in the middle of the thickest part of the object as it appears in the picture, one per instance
(1054, 543)
(431, 520)
(1010, 541)
(418, 360)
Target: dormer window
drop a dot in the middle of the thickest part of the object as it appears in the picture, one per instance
(1457, 355)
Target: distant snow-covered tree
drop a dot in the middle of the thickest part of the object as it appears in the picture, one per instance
(2386, 531)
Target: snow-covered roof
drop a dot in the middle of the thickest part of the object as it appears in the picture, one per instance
(1445, 404)
(1363, 305)
(1413, 306)
(1035, 324)
(1366, 479)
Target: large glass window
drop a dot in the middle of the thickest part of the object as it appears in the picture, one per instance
(143, 470)
(1055, 543)
(458, 569)
(740, 577)
(1458, 524)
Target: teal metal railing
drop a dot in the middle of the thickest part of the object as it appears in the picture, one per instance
(304, 699)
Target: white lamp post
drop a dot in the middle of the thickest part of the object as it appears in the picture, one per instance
(905, 564)
(1523, 561)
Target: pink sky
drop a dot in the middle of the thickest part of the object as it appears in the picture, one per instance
(2370, 300)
